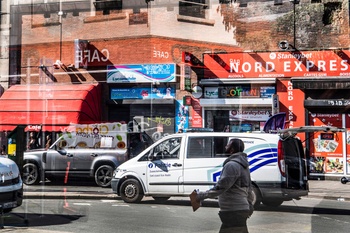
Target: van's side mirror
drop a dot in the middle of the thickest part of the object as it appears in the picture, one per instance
(151, 157)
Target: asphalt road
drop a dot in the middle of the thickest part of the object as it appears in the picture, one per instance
(310, 215)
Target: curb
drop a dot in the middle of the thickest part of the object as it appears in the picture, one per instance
(334, 198)
(68, 196)
(97, 196)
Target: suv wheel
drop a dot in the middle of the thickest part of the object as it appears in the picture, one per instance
(131, 191)
(31, 174)
(103, 176)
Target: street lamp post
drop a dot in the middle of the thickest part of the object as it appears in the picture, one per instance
(60, 14)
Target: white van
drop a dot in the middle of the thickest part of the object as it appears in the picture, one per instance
(11, 186)
(180, 163)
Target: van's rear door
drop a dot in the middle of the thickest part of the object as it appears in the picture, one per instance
(293, 161)
(295, 167)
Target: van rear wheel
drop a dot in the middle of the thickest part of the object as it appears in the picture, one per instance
(256, 197)
(131, 191)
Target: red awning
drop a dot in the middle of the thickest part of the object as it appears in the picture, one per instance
(51, 106)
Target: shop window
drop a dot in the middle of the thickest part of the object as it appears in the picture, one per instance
(193, 8)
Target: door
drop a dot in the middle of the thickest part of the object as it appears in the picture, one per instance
(57, 163)
(203, 163)
(295, 160)
(295, 164)
(165, 169)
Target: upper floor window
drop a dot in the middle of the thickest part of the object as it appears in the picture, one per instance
(107, 5)
(193, 8)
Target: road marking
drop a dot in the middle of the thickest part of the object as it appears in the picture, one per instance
(110, 201)
(123, 205)
(82, 204)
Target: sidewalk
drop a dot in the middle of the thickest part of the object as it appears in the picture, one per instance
(326, 189)
(329, 189)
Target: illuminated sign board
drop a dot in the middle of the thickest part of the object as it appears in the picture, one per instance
(141, 73)
(278, 64)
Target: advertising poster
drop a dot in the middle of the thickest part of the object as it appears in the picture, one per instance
(326, 150)
(141, 73)
(143, 93)
(181, 117)
(197, 120)
(347, 119)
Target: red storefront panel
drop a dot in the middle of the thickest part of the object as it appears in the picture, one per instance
(326, 149)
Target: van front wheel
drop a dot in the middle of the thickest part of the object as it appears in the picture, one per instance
(131, 191)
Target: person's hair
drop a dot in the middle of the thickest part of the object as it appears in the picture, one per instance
(235, 145)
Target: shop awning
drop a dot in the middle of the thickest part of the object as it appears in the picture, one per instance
(49, 107)
(321, 83)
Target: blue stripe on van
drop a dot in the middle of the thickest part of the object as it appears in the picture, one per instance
(258, 156)
(271, 153)
(261, 155)
(256, 167)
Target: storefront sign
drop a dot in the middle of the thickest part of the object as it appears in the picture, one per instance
(290, 101)
(211, 92)
(238, 91)
(249, 115)
(143, 93)
(142, 73)
(278, 64)
(267, 92)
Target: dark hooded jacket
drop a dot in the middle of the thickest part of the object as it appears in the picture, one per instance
(234, 186)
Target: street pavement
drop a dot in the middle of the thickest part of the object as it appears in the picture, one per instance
(325, 189)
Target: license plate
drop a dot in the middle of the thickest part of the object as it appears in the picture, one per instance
(8, 205)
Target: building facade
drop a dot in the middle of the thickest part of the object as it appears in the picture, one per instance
(237, 62)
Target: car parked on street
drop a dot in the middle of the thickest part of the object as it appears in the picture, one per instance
(93, 153)
(11, 186)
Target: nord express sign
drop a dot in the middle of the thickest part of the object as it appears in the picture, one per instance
(278, 64)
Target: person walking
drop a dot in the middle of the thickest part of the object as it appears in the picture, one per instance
(48, 141)
(233, 190)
